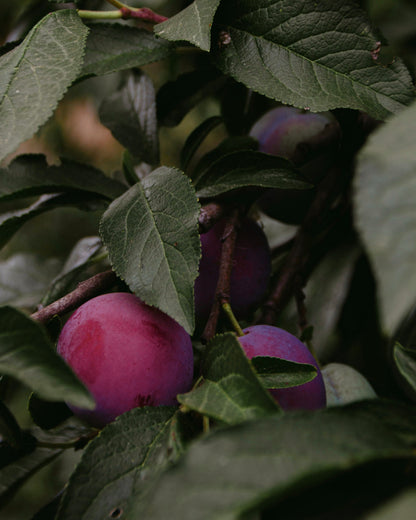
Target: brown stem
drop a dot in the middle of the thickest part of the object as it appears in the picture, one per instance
(84, 292)
(222, 291)
(304, 240)
(209, 215)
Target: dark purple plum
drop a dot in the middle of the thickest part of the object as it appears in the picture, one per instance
(265, 340)
(310, 141)
(127, 354)
(250, 274)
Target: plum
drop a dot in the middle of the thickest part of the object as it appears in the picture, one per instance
(266, 340)
(250, 273)
(310, 141)
(127, 354)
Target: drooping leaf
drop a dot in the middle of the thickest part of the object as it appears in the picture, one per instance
(385, 213)
(280, 373)
(248, 169)
(24, 278)
(176, 98)
(27, 354)
(130, 114)
(118, 463)
(16, 466)
(30, 175)
(80, 265)
(151, 234)
(192, 24)
(255, 463)
(311, 54)
(231, 392)
(405, 359)
(36, 74)
(115, 47)
(12, 221)
(195, 138)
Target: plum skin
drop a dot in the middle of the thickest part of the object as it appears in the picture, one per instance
(289, 132)
(127, 354)
(250, 272)
(266, 340)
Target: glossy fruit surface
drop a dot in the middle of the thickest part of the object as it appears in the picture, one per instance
(250, 273)
(265, 340)
(310, 141)
(127, 354)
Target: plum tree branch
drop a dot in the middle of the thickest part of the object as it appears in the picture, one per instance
(304, 240)
(222, 291)
(85, 291)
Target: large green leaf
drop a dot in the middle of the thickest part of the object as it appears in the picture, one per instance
(117, 463)
(231, 392)
(248, 169)
(27, 354)
(255, 463)
(114, 47)
(30, 175)
(192, 24)
(385, 212)
(151, 233)
(130, 114)
(35, 75)
(310, 54)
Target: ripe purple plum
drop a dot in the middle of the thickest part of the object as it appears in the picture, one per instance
(127, 354)
(250, 273)
(265, 340)
(310, 141)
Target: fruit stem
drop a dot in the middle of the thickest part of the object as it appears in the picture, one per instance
(222, 291)
(226, 307)
(99, 15)
(205, 424)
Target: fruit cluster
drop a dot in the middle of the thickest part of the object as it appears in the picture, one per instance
(129, 354)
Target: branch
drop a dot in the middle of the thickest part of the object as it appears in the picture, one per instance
(300, 252)
(222, 292)
(85, 291)
(209, 215)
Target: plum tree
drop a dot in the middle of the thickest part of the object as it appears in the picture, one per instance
(127, 354)
(266, 340)
(310, 141)
(250, 274)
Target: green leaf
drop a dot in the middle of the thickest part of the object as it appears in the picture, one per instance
(80, 265)
(250, 465)
(192, 24)
(27, 354)
(114, 47)
(405, 359)
(151, 234)
(22, 466)
(36, 74)
(231, 392)
(127, 453)
(176, 98)
(130, 114)
(195, 139)
(12, 221)
(248, 169)
(344, 384)
(30, 175)
(385, 213)
(310, 54)
(24, 278)
(402, 506)
(280, 373)
(10, 431)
